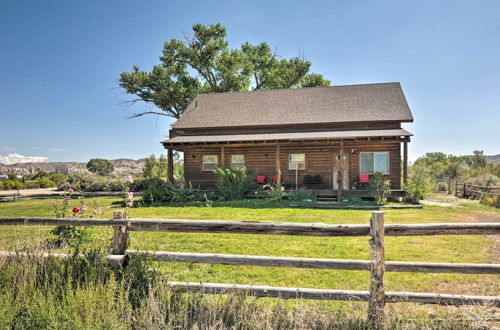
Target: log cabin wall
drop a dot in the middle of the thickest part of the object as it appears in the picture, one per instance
(319, 161)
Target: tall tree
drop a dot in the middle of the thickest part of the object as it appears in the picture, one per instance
(204, 63)
(100, 166)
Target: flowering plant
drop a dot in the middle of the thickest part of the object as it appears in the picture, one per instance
(128, 196)
(70, 235)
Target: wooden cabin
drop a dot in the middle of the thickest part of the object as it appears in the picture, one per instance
(328, 139)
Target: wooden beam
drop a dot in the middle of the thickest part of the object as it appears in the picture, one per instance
(405, 163)
(170, 166)
(317, 263)
(222, 157)
(120, 236)
(344, 295)
(269, 228)
(278, 164)
(341, 171)
(376, 315)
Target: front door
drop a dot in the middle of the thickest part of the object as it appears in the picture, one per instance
(340, 170)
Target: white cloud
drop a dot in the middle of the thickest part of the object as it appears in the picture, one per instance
(17, 158)
(7, 148)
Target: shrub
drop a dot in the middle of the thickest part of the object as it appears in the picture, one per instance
(116, 184)
(186, 194)
(415, 192)
(490, 200)
(57, 178)
(486, 180)
(82, 180)
(32, 185)
(379, 188)
(275, 192)
(301, 195)
(157, 191)
(101, 185)
(234, 184)
(45, 182)
(442, 186)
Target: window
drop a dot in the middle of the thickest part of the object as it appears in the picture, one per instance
(299, 160)
(237, 162)
(209, 162)
(372, 162)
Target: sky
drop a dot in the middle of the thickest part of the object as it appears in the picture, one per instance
(60, 63)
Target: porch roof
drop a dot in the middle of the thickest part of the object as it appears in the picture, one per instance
(288, 136)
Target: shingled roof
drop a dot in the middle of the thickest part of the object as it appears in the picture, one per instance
(333, 104)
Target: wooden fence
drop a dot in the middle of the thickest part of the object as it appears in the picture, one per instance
(466, 190)
(376, 296)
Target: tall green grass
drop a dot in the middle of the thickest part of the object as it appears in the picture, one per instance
(82, 292)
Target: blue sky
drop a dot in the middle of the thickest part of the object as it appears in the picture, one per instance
(60, 62)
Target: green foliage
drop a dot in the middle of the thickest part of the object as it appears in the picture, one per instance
(204, 63)
(234, 184)
(301, 195)
(490, 200)
(38, 180)
(275, 191)
(100, 166)
(157, 191)
(82, 181)
(379, 188)
(477, 160)
(69, 236)
(415, 191)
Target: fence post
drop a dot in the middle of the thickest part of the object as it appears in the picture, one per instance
(377, 268)
(120, 236)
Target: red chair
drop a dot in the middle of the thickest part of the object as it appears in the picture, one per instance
(363, 178)
(260, 179)
(275, 179)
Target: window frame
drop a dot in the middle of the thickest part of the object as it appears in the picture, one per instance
(203, 163)
(304, 161)
(233, 163)
(374, 166)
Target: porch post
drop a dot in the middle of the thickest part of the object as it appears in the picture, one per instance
(278, 164)
(170, 166)
(405, 162)
(222, 157)
(341, 171)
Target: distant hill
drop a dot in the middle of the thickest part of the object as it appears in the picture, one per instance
(121, 165)
(493, 159)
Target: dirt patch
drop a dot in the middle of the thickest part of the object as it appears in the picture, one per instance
(31, 192)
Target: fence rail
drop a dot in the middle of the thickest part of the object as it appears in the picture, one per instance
(267, 228)
(376, 230)
(467, 190)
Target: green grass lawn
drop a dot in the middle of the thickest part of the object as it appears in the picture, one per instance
(475, 249)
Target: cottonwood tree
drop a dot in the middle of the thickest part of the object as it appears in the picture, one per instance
(204, 63)
(100, 166)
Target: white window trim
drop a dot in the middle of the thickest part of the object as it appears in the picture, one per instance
(203, 163)
(376, 152)
(289, 162)
(232, 163)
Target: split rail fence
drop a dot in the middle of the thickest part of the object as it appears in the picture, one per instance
(466, 190)
(376, 296)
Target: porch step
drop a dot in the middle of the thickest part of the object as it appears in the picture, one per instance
(326, 198)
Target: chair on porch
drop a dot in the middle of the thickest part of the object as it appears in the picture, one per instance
(363, 181)
(260, 179)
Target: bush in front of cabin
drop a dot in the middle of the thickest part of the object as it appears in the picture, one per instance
(303, 194)
(379, 188)
(234, 184)
(157, 191)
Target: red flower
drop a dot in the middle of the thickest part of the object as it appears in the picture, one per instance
(76, 210)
